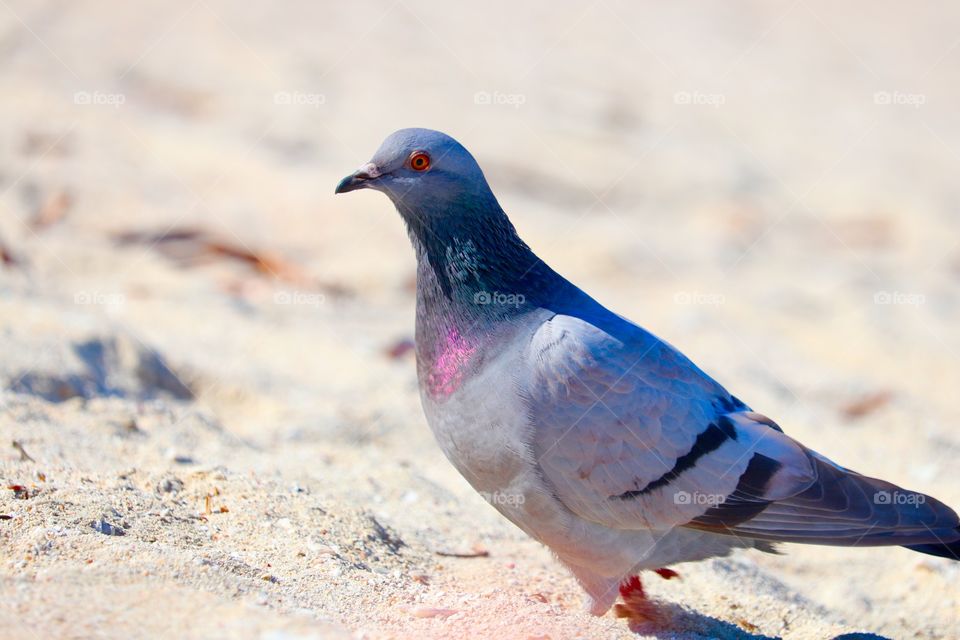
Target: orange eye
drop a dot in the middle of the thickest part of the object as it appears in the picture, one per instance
(419, 161)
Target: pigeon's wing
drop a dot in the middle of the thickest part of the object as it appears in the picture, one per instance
(630, 434)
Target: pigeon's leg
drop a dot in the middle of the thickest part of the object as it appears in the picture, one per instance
(601, 590)
(666, 574)
(636, 607)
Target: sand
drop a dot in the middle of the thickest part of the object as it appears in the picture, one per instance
(219, 436)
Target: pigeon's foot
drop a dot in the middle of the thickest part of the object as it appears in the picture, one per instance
(636, 608)
(666, 574)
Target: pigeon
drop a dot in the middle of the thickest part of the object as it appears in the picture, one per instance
(592, 435)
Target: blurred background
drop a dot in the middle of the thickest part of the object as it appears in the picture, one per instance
(770, 186)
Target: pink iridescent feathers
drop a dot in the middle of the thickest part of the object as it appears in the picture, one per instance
(447, 370)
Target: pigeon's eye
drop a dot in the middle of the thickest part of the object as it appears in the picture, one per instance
(419, 161)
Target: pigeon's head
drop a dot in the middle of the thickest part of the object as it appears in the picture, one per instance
(422, 171)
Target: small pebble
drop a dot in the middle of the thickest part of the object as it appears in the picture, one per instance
(107, 529)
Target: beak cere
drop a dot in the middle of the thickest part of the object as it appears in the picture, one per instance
(359, 178)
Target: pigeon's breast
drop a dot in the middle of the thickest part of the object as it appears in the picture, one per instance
(472, 401)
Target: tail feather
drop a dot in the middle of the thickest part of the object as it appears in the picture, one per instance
(839, 507)
(950, 550)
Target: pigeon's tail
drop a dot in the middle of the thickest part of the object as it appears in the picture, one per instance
(841, 508)
(949, 550)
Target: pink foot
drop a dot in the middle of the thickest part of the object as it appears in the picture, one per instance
(636, 607)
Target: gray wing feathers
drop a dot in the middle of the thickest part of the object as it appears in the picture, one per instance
(634, 436)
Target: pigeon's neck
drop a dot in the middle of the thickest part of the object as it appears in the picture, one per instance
(476, 280)
(472, 266)
(474, 277)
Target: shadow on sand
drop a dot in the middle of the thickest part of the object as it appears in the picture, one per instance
(684, 624)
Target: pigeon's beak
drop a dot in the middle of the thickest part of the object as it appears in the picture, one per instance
(359, 179)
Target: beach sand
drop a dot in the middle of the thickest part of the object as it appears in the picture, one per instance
(205, 354)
